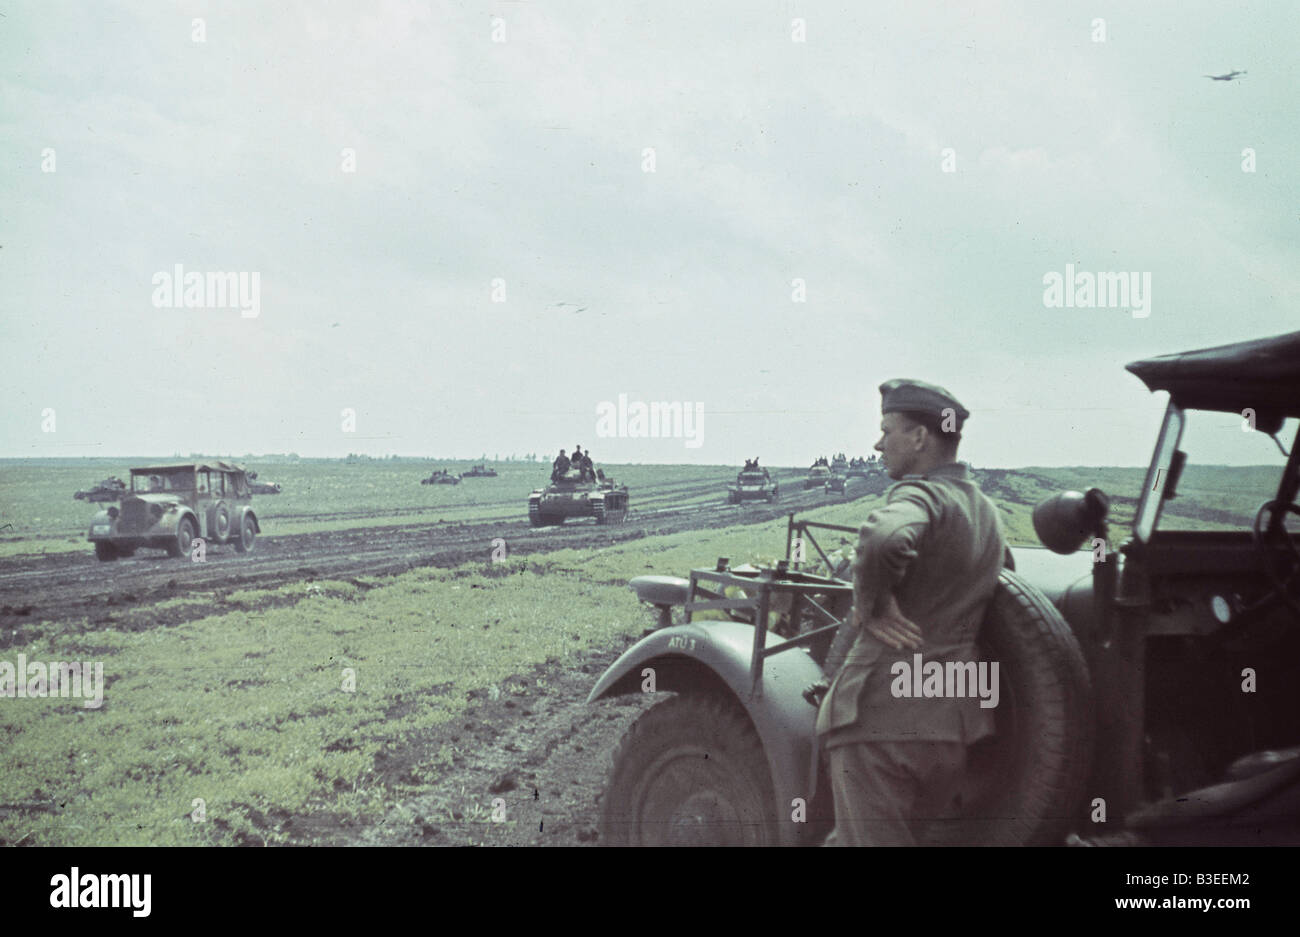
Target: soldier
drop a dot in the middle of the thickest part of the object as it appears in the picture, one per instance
(588, 470)
(559, 466)
(927, 565)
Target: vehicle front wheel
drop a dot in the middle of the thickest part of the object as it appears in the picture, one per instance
(247, 531)
(690, 772)
(185, 534)
(105, 551)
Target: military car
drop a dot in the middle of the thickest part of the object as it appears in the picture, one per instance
(441, 477)
(1148, 695)
(479, 471)
(110, 489)
(168, 506)
(837, 484)
(753, 484)
(570, 496)
(818, 476)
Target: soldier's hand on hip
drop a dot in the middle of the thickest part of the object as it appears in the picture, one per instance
(892, 627)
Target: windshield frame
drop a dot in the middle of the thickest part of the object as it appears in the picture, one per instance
(1146, 517)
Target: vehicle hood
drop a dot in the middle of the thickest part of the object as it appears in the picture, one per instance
(161, 498)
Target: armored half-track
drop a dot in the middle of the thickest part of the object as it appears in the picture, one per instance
(570, 496)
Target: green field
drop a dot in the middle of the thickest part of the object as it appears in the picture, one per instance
(245, 708)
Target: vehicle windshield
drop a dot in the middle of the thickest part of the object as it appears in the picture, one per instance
(1212, 495)
(162, 480)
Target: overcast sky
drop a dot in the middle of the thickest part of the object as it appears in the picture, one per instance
(524, 162)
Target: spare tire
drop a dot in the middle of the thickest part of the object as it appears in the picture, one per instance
(1026, 784)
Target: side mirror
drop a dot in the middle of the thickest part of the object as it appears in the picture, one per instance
(1065, 522)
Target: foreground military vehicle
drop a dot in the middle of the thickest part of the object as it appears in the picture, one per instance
(837, 483)
(168, 506)
(479, 471)
(572, 497)
(1149, 695)
(441, 477)
(818, 476)
(753, 484)
(110, 489)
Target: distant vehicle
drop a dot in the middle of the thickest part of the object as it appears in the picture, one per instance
(818, 476)
(837, 484)
(110, 489)
(479, 471)
(840, 464)
(168, 506)
(862, 468)
(441, 477)
(262, 488)
(572, 497)
(752, 484)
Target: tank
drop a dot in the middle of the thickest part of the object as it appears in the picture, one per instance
(752, 484)
(570, 497)
(441, 477)
(818, 476)
(479, 471)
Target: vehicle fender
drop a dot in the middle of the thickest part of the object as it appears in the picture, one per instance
(239, 515)
(101, 517)
(716, 655)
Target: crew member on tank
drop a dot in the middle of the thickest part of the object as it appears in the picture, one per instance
(559, 467)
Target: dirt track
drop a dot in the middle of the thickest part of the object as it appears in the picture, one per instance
(543, 752)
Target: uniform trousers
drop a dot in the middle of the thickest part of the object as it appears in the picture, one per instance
(882, 788)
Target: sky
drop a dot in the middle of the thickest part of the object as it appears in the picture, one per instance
(475, 226)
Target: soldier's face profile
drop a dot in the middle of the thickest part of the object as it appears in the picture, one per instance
(898, 445)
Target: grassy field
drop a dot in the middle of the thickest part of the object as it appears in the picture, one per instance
(247, 709)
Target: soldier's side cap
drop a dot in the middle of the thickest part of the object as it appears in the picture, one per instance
(919, 397)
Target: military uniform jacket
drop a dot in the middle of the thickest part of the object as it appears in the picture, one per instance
(937, 545)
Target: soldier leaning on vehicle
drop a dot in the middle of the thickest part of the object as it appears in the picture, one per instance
(927, 564)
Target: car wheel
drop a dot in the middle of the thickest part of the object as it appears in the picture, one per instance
(105, 551)
(247, 532)
(219, 521)
(690, 772)
(185, 534)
